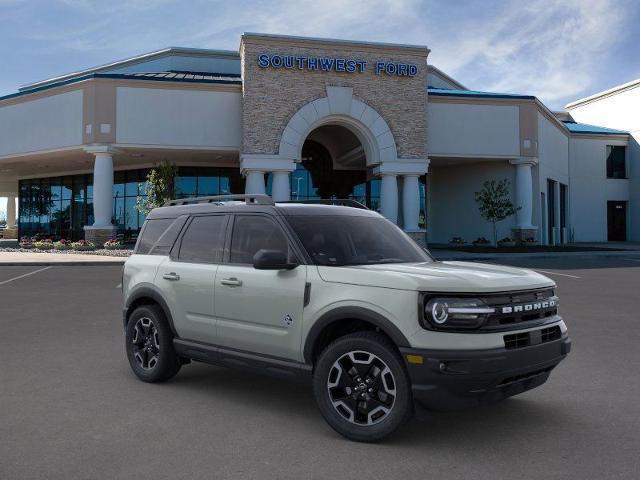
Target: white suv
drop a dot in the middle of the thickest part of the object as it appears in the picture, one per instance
(338, 296)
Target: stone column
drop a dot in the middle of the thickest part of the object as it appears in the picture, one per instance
(255, 182)
(102, 228)
(389, 196)
(280, 188)
(411, 202)
(11, 212)
(524, 198)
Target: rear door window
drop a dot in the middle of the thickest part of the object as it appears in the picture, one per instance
(203, 241)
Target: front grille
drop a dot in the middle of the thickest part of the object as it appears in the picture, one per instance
(534, 337)
(513, 301)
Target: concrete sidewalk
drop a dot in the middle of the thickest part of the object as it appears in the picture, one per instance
(37, 259)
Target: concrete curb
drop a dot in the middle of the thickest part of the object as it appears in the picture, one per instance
(533, 256)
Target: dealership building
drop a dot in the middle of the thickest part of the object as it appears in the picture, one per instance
(306, 118)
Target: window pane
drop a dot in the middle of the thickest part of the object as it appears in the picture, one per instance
(616, 167)
(151, 233)
(204, 240)
(208, 185)
(131, 214)
(186, 186)
(118, 184)
(252, 233)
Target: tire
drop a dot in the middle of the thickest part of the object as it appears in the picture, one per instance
(368, 403)
(149, 345)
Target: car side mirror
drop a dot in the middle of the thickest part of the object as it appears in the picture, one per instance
(272, 260)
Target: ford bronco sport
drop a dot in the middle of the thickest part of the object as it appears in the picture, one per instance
(339, 296)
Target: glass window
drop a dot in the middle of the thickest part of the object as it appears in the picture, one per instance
(616, 167)
(151, 233)
(203, 241)
(186, 186)
(252, 233)
(349, 240)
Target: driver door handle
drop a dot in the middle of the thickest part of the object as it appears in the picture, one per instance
(173, 276)
(231, 282)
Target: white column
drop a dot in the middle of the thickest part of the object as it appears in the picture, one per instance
(524, 193)
(411, 202)
(103, 189)
(255, 182)
(11, 212)
(389, 197)
(280, 190)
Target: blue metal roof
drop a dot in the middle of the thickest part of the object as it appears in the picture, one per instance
(188, 77)
(444, 92)
(575, 127)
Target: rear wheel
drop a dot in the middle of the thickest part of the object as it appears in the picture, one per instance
(149, 345)
(362, 387)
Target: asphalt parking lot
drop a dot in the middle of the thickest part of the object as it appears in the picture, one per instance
(70, 407)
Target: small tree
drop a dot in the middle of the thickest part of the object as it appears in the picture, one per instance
(160, 187)
(494, 203)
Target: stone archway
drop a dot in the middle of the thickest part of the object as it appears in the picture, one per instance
(339, 107)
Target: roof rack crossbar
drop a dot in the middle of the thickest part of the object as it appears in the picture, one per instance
(250, 199)
(343, 202)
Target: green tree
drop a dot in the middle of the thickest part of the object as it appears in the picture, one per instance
(160, 187)
(494, 203)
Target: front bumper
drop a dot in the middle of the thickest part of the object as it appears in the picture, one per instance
(454, 379)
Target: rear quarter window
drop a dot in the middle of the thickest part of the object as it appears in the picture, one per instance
(151, 233)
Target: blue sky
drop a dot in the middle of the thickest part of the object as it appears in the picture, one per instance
(557, 50)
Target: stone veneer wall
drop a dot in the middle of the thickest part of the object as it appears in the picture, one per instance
(272, 96)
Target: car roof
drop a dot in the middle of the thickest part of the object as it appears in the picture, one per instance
(284, 209)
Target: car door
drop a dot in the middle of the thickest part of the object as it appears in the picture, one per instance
(259, 310)
(187, 277)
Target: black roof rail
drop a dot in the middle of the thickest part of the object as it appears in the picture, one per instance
(250, 199)
(343, 202)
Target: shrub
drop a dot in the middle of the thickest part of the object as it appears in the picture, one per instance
(457, 241)
(83, 245)
(481, 241)
(26, 242)
(43, 244)
(62, 245)
(113, 245)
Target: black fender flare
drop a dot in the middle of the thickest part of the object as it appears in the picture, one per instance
(351, 313)
(151, 293)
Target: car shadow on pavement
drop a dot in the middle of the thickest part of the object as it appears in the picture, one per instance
(507, 421)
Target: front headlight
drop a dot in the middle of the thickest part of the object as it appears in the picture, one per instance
(456, 312)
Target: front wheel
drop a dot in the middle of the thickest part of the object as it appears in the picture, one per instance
(149, 345)
(362, 388)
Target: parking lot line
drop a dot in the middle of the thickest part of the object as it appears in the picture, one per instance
(25, 275)
(556, 273)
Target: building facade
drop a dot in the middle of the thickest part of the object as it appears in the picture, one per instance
(305, 118)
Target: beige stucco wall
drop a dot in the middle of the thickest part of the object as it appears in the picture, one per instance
(272, 96)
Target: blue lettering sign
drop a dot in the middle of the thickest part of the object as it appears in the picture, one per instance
(329, 64)
(263, 60)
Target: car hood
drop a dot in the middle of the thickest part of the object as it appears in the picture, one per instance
(468, 277)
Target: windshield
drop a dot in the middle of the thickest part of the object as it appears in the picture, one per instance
(342, 240)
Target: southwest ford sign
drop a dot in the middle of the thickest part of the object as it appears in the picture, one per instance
(333, 64)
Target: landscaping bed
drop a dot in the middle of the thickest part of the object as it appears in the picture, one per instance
(125, 252)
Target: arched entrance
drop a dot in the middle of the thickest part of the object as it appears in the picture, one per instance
(333, 165)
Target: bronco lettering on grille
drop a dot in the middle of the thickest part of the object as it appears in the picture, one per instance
(529, 307)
